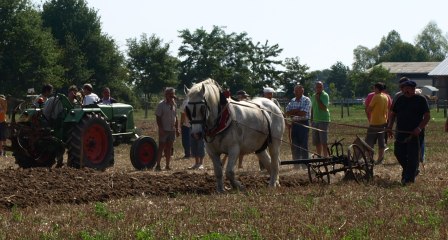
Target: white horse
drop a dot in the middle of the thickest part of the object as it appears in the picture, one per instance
(234, 128)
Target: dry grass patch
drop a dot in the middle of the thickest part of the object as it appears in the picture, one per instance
(382, 209)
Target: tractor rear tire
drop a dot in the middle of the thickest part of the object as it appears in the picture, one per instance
(91, 144)
(143, 153)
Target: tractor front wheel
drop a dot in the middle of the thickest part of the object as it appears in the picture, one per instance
(91, 144)
(143, 153)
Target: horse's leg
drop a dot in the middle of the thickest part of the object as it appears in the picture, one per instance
(274, 152)
(217, 168)
(230, 170)
(265, 160)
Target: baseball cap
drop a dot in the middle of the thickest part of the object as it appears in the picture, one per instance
(268, 90)
(242, 92)
(409, 83)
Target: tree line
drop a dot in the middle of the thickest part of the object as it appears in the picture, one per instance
(61, 42)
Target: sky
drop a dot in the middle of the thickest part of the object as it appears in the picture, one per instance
(318, 32)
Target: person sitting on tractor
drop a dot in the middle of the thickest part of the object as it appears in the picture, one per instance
(73, 96)
(46, 92)
(56, 104)
(89, 97)
(107, 99)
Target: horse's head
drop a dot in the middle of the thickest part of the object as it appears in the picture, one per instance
(203, 106)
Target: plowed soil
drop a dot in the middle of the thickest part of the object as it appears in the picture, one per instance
(41, 186)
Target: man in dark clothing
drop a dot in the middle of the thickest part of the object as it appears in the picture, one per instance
(412, 115)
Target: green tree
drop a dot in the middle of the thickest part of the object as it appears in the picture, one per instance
(233, 60)
(28, 53)
(264, 65)
(433, 43)
(205, 53)
(405, 52)
(364, 80)
(295, 73)
(88, 55)
(388, 43)
(150, 65)
(339, 76)
(364, 58)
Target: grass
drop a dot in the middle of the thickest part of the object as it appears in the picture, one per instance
(342, 210)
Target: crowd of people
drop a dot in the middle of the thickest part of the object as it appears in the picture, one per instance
(408, 110)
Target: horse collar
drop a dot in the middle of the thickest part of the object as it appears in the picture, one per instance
(222, 122)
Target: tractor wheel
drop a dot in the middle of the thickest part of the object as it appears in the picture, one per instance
(143, 153)
(91, 144)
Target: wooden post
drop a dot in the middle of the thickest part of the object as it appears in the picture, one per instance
(437, 104)
(342, 108)
(348, 109)
(444, 108)
(146, 109)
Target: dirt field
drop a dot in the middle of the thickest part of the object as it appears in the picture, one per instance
(41, 186)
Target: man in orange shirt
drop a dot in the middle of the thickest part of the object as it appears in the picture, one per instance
(378, 110)
(3, 109)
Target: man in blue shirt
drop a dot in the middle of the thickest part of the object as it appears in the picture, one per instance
(298, 109)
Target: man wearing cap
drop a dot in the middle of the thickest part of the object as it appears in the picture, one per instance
(320, 116)
(398, 94)
(167, 124)
(89, 96)
(269, 94)
(242, 95)
(412, 115)
(298, 109)
(3, 109)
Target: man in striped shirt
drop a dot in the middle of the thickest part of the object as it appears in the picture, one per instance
(298, 109)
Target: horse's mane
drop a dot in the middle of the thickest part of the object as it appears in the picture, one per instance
(209, 85)
(207, 81)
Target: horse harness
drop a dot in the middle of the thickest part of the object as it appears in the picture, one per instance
(223, 120)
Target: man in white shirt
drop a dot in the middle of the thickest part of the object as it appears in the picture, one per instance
(89, 96)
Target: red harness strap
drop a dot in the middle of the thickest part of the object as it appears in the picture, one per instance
(223, 122)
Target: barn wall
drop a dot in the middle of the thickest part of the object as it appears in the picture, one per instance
(441, 83)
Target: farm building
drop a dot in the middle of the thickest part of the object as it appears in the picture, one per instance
(440, 78)
(416, 71)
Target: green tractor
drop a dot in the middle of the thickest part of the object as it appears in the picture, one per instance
(41, 135)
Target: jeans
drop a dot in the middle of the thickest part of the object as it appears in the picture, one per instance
(299, 139)
(186, 141)
(407, 154)
(197, 147)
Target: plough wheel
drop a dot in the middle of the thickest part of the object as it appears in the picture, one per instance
(143, 153)
(318, 173)
(361, 168)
